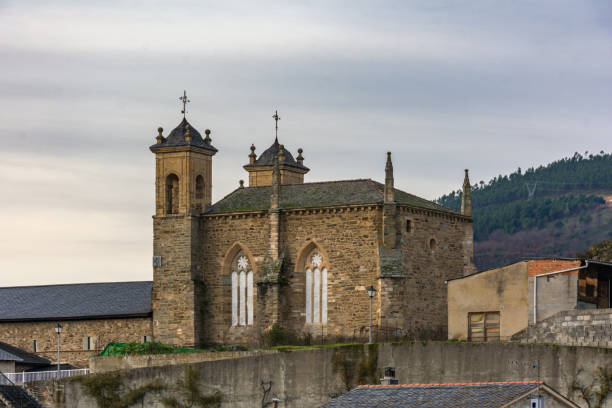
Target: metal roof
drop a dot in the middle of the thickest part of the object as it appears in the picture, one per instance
(75, 301)
(314, 195)
(177, 138)
(267, 158)
(458, 395)
(12, 353)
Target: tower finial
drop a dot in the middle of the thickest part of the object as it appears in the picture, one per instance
(466, 197)
(185, 101)
(276, 119)
(389, 192)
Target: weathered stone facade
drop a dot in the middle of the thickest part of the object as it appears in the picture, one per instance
(74, 333)
(404, 246)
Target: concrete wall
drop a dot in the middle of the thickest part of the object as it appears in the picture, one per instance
(105, 364)
(309, 378)
(573, 328)
(555, 292)
(503, 289)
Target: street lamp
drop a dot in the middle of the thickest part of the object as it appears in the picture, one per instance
(58, 330)
(371, 294)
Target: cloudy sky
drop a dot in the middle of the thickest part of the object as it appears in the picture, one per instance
(444, 85)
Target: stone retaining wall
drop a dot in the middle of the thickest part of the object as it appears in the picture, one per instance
(572, 328)
(310, 378)
(114, 363)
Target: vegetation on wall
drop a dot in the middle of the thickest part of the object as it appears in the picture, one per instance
(596, 393)
(187, 393)
(108, 392)
(356, 365)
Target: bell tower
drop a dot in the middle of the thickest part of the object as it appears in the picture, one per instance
(183, 178)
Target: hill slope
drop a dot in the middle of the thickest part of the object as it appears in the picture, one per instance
(554, 210)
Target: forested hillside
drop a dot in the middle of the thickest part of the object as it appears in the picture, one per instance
(553, 210)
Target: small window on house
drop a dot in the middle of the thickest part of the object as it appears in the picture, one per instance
(34, 346)
(146, 339)
(408, 225)
(483, 326)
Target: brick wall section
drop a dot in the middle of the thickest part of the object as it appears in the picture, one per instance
(541, 266)
(555, 292)
(572, 328)
(105, 330)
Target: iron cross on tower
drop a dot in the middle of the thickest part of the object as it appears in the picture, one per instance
(185, 102)
(276, 119)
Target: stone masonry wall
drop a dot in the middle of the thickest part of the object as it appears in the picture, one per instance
(572, 328)
(222, 238)
(422, 294)
(174, 289)
(102, 331)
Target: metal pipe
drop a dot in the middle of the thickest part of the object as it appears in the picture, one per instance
(535, 287)
(371, 319)
(58, 354)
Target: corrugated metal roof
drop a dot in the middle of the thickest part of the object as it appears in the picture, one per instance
(12, 353)
(81, 300)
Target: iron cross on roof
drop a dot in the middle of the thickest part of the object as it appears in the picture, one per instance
(185, 102)
(276, 119)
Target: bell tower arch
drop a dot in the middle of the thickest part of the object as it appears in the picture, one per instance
(183, 179)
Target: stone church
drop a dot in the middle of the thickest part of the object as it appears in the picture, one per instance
(297, 254)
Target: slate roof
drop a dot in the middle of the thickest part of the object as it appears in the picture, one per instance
(12, 353)
(313, 195)
(267, 158)
(177, 138)
(465, 395)
(75, 301)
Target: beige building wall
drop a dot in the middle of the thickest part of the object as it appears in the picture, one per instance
(503, 289)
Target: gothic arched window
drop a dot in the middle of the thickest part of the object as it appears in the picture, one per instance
(199, 192)
(316, 288)
(172, 194)
(242, 291)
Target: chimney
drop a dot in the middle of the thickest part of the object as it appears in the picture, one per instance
(389, 377)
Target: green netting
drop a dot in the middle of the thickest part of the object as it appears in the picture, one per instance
(151, 347)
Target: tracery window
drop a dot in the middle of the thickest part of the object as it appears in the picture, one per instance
(316, 288)
(242, 291)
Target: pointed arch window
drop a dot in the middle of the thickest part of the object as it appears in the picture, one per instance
(172, 194)
(242, 291)
(316, 288)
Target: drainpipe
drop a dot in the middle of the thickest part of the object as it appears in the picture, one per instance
(535, 287)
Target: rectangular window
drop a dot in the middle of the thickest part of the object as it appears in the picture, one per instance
(34, 346)
(89, 343)
(483, 326)
(408, 225)
(146, 339)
